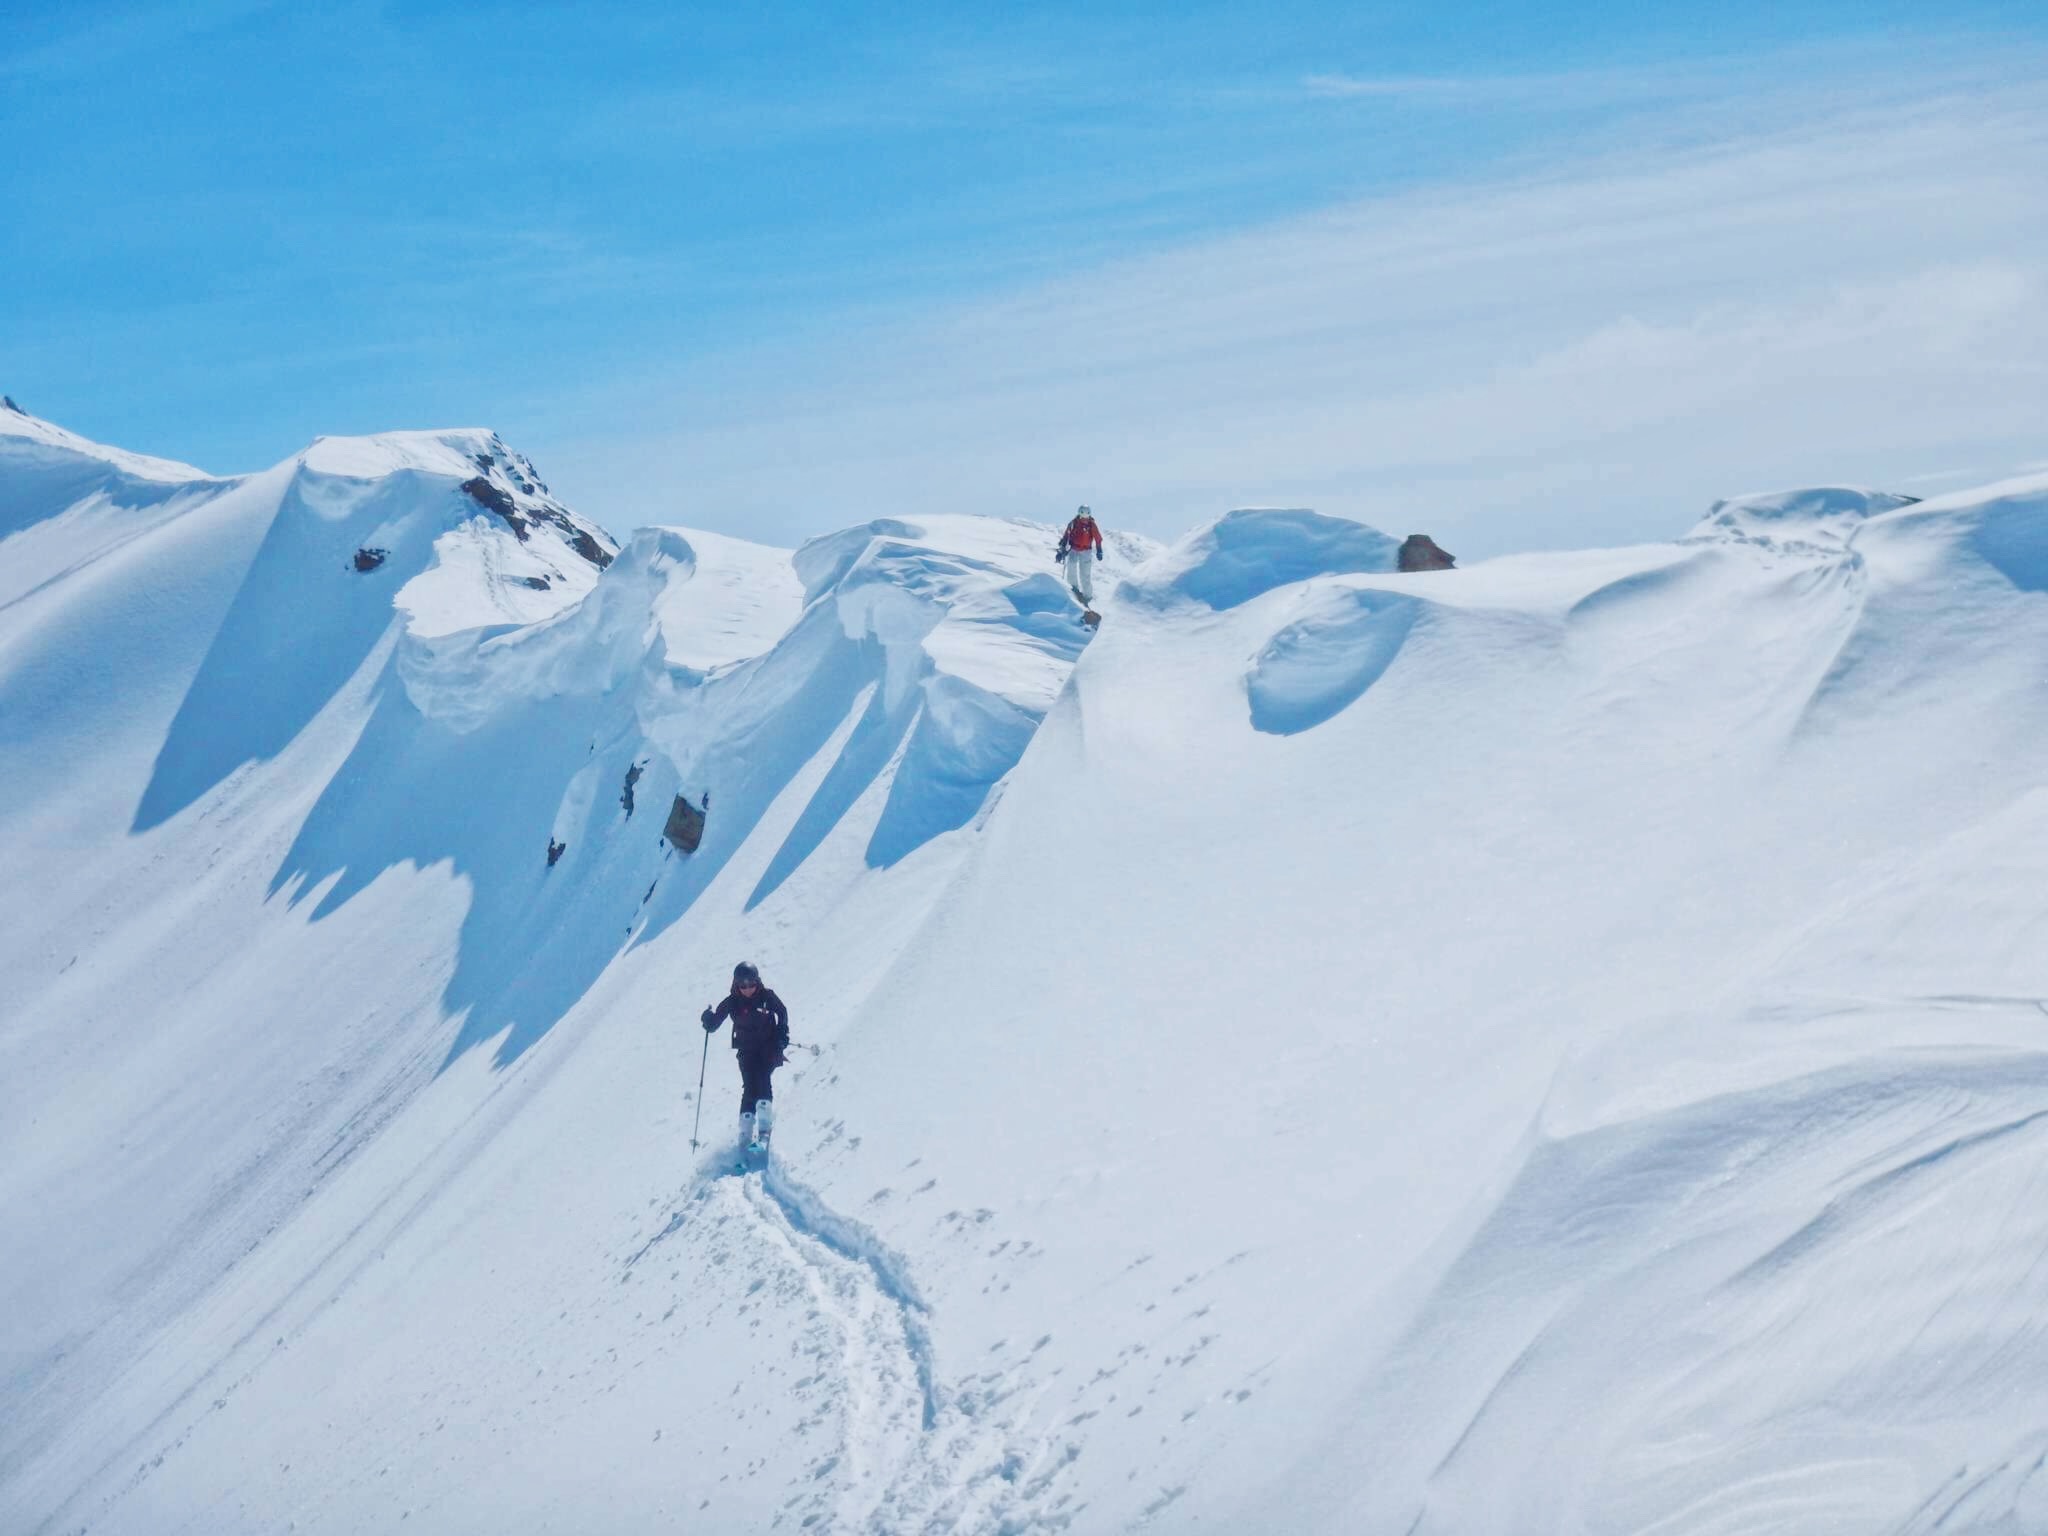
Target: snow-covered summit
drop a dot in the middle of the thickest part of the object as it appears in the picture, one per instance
(457, 529)
(457, 451)
(492, 476)
(502, 482)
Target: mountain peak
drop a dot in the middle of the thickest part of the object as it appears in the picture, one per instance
(446, 451)
(500, 481)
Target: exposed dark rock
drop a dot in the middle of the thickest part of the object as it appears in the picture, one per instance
(588, 547)
(538, 583)
(499, 500)
(1419, 552)
(8, 401)
(368, 559)
(529, 504)
(685, 829)
(555, 851)
(632, 777)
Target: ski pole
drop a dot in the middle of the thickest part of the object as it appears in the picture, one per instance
(703, 1062)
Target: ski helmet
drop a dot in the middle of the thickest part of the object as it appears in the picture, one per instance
(746, 970)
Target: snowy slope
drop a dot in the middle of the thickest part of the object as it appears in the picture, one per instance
(65, 502)
(1545, 1046)
(168, 646)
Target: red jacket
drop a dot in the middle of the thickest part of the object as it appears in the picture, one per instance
(1081, 534)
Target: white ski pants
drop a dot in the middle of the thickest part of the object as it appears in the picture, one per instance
(1081, 573)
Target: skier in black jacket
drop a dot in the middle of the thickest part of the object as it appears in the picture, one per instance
(760, 1035)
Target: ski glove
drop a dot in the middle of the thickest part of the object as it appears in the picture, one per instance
(708, 1019)
(1098, 551)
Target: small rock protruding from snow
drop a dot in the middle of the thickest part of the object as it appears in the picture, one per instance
(685, 827)
(7, 402)
(1419, 552)
(368, 559)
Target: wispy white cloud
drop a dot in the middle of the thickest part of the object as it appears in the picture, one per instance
(1588, 353)
(1414, 87)
(1796, 80)
(1346, 84)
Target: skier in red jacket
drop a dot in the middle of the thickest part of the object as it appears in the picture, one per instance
(1080, 547)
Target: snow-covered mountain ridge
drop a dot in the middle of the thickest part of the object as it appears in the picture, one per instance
(1551, 1045)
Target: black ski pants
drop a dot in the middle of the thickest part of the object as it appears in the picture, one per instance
(757, 1065)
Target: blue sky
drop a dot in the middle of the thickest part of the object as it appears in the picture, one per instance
(772, 269)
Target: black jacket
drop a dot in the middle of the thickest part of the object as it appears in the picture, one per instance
(760, 1024)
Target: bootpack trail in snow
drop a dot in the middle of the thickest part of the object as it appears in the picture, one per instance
(912, 1454)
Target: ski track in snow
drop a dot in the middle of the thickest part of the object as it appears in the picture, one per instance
(913, 1454)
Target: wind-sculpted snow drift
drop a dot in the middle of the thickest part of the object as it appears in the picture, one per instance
(1548, 1045)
